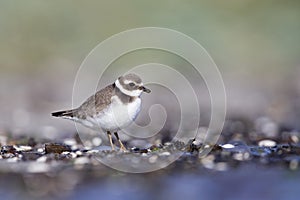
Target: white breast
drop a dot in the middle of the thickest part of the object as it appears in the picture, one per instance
(117, 116)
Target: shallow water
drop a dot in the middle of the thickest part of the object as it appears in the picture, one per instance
(246, 182)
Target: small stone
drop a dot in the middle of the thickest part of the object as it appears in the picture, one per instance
(135, 149)
(168, 144)
(8, 155)
(87, 148)
(197, 142)
(23, 148)
(78, 153)
(143, 151)
(267, 143)
(192, 146)
(40, 150)
(228, 146)
(74, 155)
(217, 148)
(8, 149)
(241, 156)
(56, 148)
(155, 148)
(65, 153)
(166, 153)
(144, 154)
(93, 151)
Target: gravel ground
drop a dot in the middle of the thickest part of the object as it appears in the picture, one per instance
(240, 166)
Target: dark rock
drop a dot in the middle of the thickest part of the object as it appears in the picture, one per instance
(143, 150)
(56, 148)
(192, 147)
(155, 147)
(135, 149)
(8, 149)
(217, 147)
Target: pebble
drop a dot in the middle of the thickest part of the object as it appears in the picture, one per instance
(241, 156)
(228, 146)
(93, 151)
(267, 143)
(40, 150)
(22, 148)
(144, 154)
(65, 153)
(74, 155)
(79, 153)
(8, 149)
(166, 153)
(168, 144)
(56, 148)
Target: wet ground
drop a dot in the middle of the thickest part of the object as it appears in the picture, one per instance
(240, 166)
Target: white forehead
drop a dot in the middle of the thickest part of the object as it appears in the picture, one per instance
(132, 77)
(131, 81)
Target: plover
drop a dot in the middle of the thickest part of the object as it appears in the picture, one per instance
(111, 108)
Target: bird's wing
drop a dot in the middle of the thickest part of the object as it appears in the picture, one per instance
(97, 102)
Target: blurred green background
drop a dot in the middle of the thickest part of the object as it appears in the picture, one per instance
(42, 43)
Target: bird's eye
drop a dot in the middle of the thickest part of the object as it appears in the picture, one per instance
(131, 84)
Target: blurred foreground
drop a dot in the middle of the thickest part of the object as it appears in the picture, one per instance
(240, 167)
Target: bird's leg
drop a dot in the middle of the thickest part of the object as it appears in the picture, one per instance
(123, 148)
(110, 140)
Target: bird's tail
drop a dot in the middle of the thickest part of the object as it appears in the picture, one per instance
(65, 113)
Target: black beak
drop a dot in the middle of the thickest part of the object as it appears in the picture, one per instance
(145, 89)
